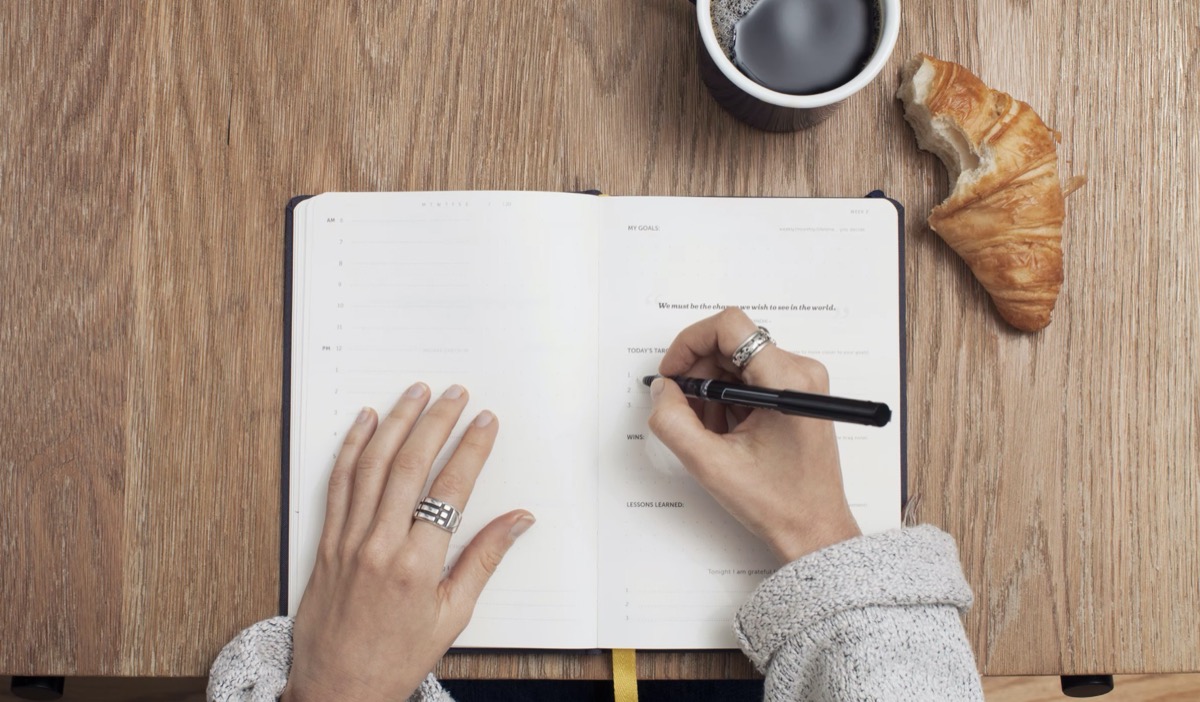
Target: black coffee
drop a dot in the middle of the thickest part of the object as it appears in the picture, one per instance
(804, 47)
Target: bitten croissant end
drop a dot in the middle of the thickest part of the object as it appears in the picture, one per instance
(1005, 212)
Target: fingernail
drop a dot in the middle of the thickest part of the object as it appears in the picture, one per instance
(485, 418)
(453, 392)
(656, 388)
(521, 526)
(363, 415)
(417, 390)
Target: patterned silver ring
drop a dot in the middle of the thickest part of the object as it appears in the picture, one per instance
(753, 344)
(438, 513)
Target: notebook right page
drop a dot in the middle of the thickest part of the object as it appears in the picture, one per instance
(823, 275)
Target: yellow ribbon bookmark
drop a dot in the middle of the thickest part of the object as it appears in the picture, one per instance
(624, 675)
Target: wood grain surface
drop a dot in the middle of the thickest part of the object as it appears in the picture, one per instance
(149, 148)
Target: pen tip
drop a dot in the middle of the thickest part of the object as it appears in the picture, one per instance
(647, 380)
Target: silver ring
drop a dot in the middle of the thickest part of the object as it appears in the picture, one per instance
(438, 513)
(753, 344)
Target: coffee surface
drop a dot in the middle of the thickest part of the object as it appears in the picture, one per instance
(804, 47)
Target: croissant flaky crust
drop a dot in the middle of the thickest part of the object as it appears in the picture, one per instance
(1005, 212)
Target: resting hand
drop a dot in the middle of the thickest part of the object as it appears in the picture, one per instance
(377, 614)
(779, 475)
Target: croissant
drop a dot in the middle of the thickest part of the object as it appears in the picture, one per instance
(1004, 214)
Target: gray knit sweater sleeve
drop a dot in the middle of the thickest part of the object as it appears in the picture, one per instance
(254, 667)
(872, 618)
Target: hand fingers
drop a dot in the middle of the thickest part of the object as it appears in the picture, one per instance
(739, 413)
(718, 337)
(710, 367)
(673, 421)
(341, 480)
(711, 413)
(410, 468)
(454, 483)
(714, 418)
(478, 562)
(371, 472)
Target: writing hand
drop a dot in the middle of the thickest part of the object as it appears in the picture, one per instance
(377, 614)
(779, 475)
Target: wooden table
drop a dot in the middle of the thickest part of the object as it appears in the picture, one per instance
(149, 149)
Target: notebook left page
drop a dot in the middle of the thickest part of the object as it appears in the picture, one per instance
(492, 290)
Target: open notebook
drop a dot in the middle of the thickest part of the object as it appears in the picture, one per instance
(549, 307)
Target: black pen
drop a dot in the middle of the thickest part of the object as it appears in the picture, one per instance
(804, 404)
